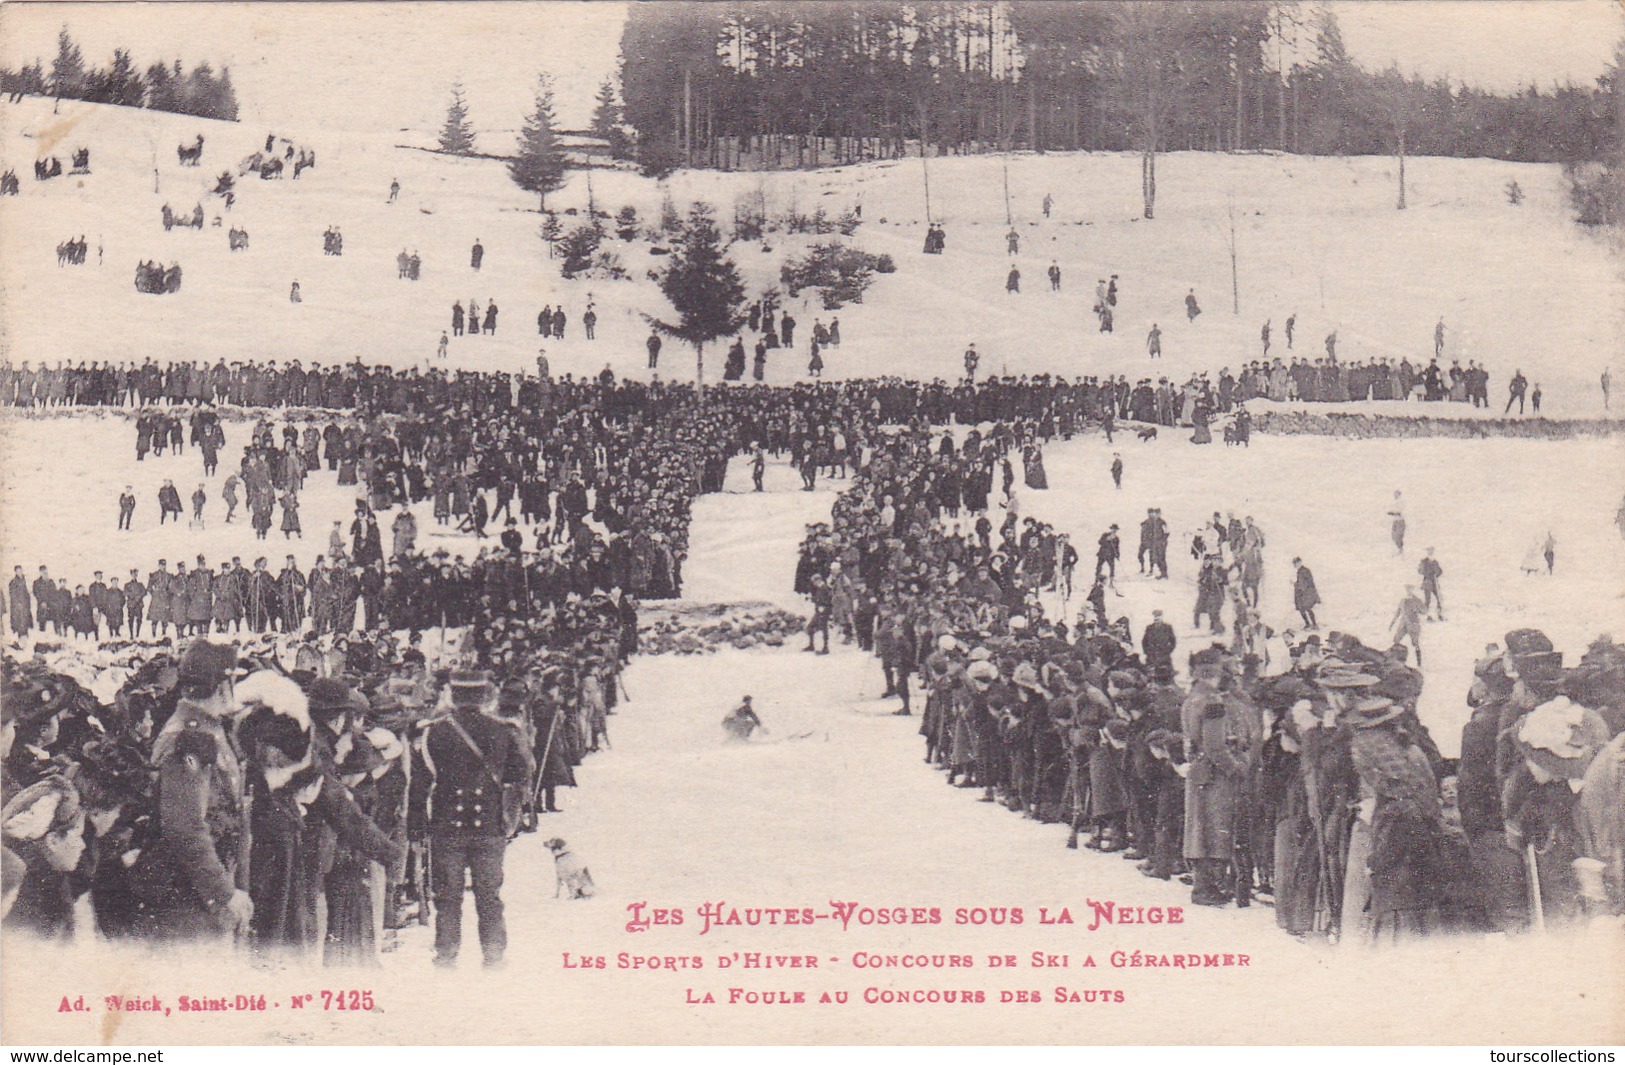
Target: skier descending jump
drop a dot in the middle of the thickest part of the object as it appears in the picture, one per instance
(741, 721)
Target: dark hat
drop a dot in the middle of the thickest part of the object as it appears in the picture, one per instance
(329, 698)
(111, 772)
(1521, 642)
(205, 664)
(1159, 737)
(265, 727)
(1208, 656)
(470, 688)
(1122, 679)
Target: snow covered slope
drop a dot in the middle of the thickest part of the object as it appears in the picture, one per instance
(1518, 287)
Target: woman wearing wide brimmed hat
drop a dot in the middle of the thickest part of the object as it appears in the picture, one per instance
(1403, 877)
(1557, 742)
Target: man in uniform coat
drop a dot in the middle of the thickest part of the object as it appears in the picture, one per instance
(135, 594)
(200, 598)
(1223, 733)
(191, 872)
(44, 598)
(468, 756)
(1159, 642)
(160, 583)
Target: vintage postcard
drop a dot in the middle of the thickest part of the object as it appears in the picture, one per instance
(850, 522)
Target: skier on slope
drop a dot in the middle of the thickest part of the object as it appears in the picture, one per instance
(741, 721)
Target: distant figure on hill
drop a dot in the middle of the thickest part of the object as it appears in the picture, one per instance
(1438, 342)
(1291, 324)
(1054, 276)
(1264, 335)
(1331, 344)
(1515, 391)
(1191, 309)
(443, 344)
(1048, 203)
(1012, 243)
(1012, 281)
(456, 319)
(293, 293)
(477, 255)
(1153, 342)
(394, 189)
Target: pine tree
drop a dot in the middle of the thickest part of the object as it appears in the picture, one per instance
(202, 92)
(703, 285)
(457, 134)
(539, 166)
(225, 97)
(552, 233)
(67, 69)
(608, 122)
(160, 88)
(122, 83)
(578, 248)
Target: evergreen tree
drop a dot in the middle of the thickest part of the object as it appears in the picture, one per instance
(609, 123)
(578, 248)
(225, 97)
(539, 166)
(703, 286)
(201, 92)
(457, 133)
(552, 233)
(32, 78)
(122, 82)
(67, 69)
(160, 88)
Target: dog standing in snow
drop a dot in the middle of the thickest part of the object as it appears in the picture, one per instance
(573, 877)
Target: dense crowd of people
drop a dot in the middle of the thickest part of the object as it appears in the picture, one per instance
(1313, 785)
(326, 777)
(1160, 401)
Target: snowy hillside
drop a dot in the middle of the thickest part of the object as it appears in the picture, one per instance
(1318, 237)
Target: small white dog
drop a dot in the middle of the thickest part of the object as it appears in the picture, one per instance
(574, 880)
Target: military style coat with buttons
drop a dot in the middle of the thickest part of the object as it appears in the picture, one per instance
(466, 796)
(200, 857)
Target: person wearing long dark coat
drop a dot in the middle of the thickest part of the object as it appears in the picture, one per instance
(554, 739)
(200, 599)
(1305, 596)
(1222, 738)
(290, 516)
(21, 607)
(1032, 462)
(290, 587)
